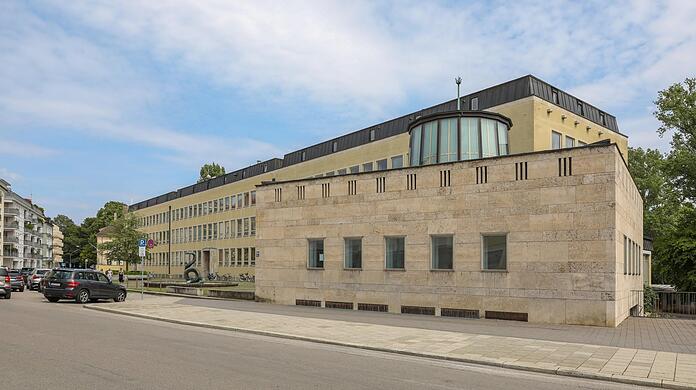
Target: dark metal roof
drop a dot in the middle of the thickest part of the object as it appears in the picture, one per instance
(493, 96)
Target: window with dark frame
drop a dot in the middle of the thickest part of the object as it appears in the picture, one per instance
(554, 96)
(442, 250)
(315, 253)
(353, 253)
(395, 253)
(494, 252)
(474, 104)
(372, 134)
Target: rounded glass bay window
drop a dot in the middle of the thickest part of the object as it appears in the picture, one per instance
(457, 136)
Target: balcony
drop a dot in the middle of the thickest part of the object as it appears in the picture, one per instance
(11, 211)
(10, 253)
(11, 225)
(11, 240)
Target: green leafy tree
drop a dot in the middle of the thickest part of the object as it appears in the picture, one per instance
(210, 171)
(124, 241)
(91, 226)
(73, 239)
(668, 186)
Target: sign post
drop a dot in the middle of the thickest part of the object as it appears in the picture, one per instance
(142, 243)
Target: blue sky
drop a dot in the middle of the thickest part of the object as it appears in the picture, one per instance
(125, 100)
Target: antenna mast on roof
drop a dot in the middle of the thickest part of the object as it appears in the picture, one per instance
(458, 80)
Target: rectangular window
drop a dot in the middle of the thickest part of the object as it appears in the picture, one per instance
(315, 257)
(448, 140)
(554, 96)
(227, 229)
(442, 252)
(253, 198)
(227, 203)
(240, 257)
(246, 199)
(580, 143)
(581, 109)
(367, 167)
(334, 147)
(372, 134)
(570, 142)
(239, 228)
(246, 256)
(239, 201)
(233, 202)
(473, 104)
(415, 146)
(233, 257)
(353, 253)
(470, 138)
(253, 256)
(555, 140)
(494, 252)
(342, 171)
(602, 119)
(215, 206)
(253, 225)
(397, 162)
(246, 227)
(382, 165)
(354, 169)
(329, 173)
(395, 252)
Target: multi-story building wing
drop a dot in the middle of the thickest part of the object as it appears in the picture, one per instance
(216, 219)
(25, 243)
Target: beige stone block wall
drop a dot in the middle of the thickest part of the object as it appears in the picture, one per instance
(561, 243)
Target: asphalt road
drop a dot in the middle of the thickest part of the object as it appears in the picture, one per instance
(64, 346)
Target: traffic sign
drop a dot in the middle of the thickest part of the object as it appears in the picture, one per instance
(150, 243)
(142, 243)
(141, 251)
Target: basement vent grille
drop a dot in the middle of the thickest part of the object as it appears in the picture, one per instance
(481, 175)
(506, 315)
(411, 181)
(339, 305)
(307, 302)
(461, 313)
(418, 310)
(372, 307)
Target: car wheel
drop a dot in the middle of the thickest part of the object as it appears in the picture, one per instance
(54, 300)
(21, 289)
(8, 295)
(120, 297)
(82, 296)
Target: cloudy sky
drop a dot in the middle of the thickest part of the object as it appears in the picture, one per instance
(124, 100)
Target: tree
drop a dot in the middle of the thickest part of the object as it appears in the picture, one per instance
(668, 186)
(73, 240)
(91, 226)
(124, 241)
(209, 171)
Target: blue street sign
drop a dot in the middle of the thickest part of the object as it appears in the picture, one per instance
(142, 243)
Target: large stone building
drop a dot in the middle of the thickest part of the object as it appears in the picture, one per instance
(26, 232)
(547, 236)
(216, 219)
(57, 245)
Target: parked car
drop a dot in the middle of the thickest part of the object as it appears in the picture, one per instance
(5, 283)
(25, 272)
(43, 282)
(34, 279)
(82, 285)
(16, 280)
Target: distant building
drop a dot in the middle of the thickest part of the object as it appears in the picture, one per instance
(103, 236)
(57, 246)
(26, 240)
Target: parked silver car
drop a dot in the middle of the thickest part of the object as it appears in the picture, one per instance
(34, 279)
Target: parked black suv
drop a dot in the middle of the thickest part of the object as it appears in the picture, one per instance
(82, 285)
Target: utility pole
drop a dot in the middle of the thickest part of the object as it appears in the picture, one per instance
(169, 243)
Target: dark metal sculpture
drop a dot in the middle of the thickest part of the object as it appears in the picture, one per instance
(191, 273)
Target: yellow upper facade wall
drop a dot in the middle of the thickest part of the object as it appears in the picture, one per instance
(533, 120)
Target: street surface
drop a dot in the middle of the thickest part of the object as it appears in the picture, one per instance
(61, 346)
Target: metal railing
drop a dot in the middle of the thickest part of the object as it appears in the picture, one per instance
(678, 303)
(10, 240)
(11, 211)
(11, 225)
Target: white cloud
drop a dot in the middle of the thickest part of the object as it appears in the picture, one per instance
(8, 175)
(9, 147)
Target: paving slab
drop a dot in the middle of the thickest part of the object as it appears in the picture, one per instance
(626, 365)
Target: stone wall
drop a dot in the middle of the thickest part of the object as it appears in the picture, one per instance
(564, 237)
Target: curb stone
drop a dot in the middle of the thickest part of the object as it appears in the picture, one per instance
(481, 361)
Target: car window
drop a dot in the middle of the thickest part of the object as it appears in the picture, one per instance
(90, 276)
(103, 278)
(41, 271)
(80, 276)
(3, 272)
(62, 275)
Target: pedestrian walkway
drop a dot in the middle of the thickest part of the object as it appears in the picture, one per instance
(639, 366)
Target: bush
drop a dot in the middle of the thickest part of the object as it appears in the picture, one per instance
(649, 299)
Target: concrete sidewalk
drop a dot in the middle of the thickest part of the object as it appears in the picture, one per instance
(636, 366)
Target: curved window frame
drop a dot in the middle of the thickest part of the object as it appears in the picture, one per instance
(431, 126)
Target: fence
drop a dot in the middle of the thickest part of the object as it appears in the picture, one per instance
(677, 303)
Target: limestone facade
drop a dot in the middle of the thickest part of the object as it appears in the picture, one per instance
(565, 217)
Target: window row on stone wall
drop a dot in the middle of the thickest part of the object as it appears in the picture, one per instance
(227, 257)
(236, 228)
(395, 256)
(565, 168)
(633, 254)
(215, 206)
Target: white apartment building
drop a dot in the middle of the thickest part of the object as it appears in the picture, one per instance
(26, 233)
